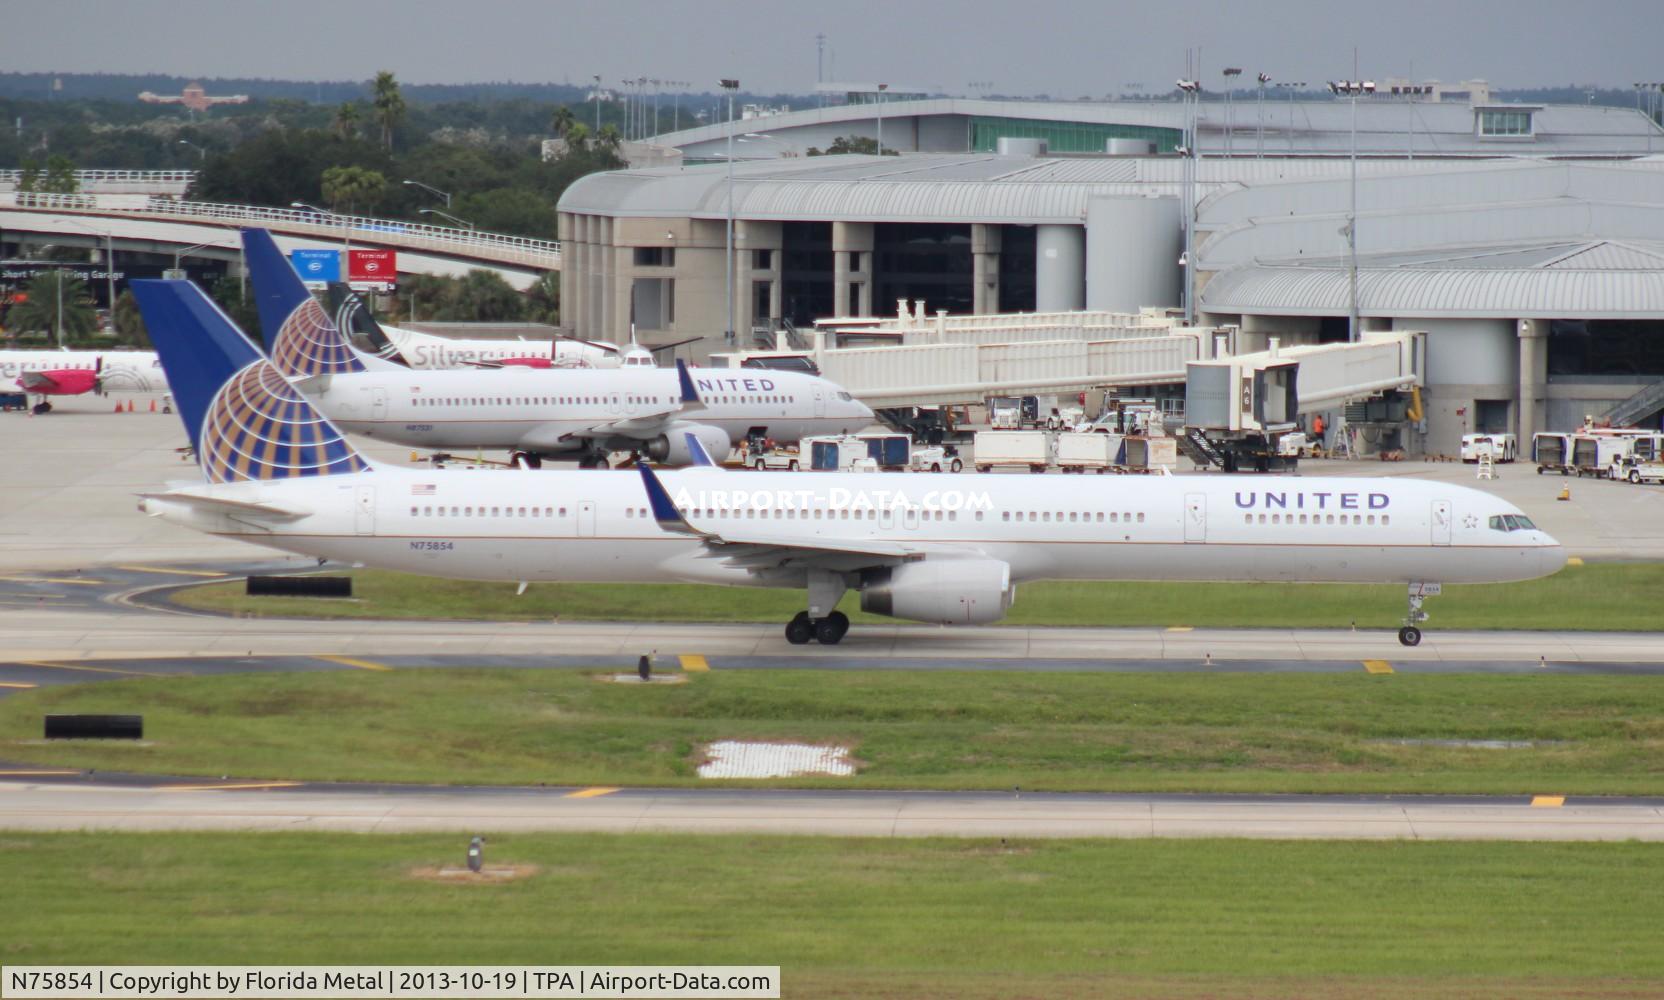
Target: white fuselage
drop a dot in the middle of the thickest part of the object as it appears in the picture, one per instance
(597, 526)
(550, 411)
(125, 371)
(427, 352)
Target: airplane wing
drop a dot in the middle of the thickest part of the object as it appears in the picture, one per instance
(647, 425)
(748, 548)
(222, 505)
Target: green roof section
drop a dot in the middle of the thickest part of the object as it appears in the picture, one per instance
(1067, 137)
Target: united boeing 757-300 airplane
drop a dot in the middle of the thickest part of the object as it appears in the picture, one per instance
(927, 548)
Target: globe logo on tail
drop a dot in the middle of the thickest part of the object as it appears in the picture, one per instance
(309, 344)
(259, 427)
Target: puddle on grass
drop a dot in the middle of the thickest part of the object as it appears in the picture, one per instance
(1476, 744)
(736, 759)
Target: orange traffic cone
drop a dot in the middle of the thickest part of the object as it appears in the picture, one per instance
(118, 406)
(153, 406)
(129, 406)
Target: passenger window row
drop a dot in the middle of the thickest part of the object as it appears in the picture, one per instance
(1072, 516)
(466, 511)
(1318, 519)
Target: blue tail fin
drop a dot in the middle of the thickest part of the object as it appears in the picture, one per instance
(300, 337)
(245, 419)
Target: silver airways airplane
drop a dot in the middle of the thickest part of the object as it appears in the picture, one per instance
(927, 548)
(535, 414)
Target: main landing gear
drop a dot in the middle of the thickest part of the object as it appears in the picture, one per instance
(828, 631)
(820, 623)
(1410, 634)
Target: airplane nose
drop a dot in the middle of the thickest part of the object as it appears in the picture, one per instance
(1552, 558)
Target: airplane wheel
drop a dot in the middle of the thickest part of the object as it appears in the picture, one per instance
(827, 632)
(800, 629)
(1409, 635)
(841, 620)
(43, 407)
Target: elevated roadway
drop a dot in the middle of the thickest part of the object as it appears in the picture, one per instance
(163, 225)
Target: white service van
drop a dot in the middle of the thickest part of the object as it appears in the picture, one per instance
(1502, 447)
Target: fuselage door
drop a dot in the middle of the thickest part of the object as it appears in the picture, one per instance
(820, 400)
(1441, 522)
(586, 519)
(613, 405)
(1195, 517)
(378, 402)
(364, 510)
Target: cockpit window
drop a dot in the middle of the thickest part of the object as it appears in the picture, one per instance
(845, 396)
(1511, 522)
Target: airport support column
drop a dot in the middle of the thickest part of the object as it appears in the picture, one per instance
(840, 279)
(985, 267)
(1533, 378)
(1060, 268)
(570, 258)
(852, 244)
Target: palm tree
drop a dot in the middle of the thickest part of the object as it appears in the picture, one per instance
(389, 105)
(562, 121)
(353, 186)
(39, 311)
(577, 137)
(608, 138)
(347, 117)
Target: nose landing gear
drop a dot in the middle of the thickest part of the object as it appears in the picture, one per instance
(1410, 634)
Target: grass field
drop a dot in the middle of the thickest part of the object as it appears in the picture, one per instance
(1598, 596)
(868, 918)
(951, 730)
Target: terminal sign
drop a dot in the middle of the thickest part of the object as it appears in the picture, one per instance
(372, 267)
(316, 267)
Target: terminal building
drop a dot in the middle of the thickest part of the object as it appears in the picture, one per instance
(1537, 271)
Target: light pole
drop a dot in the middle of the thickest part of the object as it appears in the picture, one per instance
(179, 254)
(1191, 90)
(346, 240)
(728, 252)
(1259, 135)
(201, 154)
(881, 89)
(446, 215)
(430, 190)
(1230, 73)
(1352, 88)
(109, 266)
(597, 104)
(1291, 88)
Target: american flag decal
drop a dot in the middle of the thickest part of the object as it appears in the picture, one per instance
(422, 490)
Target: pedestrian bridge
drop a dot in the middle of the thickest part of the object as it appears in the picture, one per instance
(153, 222)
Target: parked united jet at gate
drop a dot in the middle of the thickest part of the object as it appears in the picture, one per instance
(921, 547)
(533, 413)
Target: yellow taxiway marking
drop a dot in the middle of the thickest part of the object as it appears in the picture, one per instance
(692, 662)
(1548, 801)
(224, 788)
(1181, 628)
(32, 774)
(589, 793)
(1378, 666)
(90, 670)
(1575, 561)
(76, 581)
(16, 684)
(347, 661)
(170, 572)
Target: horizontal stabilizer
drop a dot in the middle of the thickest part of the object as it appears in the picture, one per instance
(223, 505)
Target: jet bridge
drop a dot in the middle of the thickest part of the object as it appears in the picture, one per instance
(1237, 408)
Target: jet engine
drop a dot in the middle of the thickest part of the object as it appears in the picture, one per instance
(943, 591)
(671, 447)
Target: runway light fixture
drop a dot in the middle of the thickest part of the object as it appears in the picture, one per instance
(476, 854)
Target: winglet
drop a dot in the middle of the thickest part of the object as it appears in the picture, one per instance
(664, 509)
(696, 451)
(690, 395)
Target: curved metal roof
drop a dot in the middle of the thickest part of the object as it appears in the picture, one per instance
(1556, 289)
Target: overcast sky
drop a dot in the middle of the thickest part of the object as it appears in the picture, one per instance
(1066, 48)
